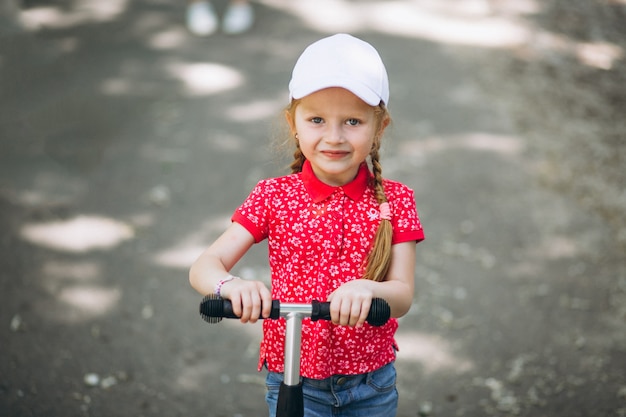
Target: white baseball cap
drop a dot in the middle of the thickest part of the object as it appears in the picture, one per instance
(341, 61)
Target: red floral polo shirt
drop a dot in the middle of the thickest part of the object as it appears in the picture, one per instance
(319, 237)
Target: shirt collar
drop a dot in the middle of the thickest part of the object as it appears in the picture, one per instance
(320, 191)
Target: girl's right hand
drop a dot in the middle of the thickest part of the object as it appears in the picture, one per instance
(250, 299)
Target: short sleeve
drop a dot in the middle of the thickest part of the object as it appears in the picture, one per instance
(253, 214)
(405, 220)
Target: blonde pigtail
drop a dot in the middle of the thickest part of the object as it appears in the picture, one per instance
(298, 160)
(298, 157)
(379, 258)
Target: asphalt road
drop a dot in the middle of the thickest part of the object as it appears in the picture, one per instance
(126, 143)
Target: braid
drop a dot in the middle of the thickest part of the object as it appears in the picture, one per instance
(377, 170)
(298, 156)
(298, 160)
(379, 258)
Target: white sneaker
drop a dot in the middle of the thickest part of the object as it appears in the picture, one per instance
(201, 18)
(238, 18)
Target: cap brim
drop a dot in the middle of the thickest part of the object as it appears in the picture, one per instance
(356, 88)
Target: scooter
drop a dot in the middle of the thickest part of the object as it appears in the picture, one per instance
(290, 400)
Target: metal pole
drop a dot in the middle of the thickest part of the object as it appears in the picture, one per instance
(293, 333)
(290, 399)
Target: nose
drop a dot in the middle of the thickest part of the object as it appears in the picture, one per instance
(334, 134)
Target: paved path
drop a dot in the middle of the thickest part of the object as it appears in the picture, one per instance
(126, 144)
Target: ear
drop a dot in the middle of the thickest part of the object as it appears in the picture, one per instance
(291, 122)
(383, 125)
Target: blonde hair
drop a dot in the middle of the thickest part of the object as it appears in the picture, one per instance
(379, 258)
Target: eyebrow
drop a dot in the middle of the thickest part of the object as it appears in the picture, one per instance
(346, 114)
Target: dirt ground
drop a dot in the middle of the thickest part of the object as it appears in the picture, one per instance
(126, 143)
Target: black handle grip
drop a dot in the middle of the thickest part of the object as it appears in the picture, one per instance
(213, 309)
(379, 313)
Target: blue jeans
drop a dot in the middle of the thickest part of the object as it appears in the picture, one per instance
(367, 395)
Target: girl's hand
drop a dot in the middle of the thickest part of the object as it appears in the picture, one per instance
(350, 304)
(250, 299)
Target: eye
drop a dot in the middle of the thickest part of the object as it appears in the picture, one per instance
(353, 122)
(316, 120)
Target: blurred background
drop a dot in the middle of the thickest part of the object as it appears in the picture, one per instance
(126, 142)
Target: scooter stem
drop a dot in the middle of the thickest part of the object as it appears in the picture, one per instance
(293, 333)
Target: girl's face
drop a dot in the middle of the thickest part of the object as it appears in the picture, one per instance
(336, 131)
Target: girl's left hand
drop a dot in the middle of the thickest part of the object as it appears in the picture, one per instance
(350, 304)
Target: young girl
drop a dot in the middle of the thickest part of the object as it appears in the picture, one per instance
(336, 230)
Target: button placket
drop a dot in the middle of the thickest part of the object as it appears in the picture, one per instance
(337, 215)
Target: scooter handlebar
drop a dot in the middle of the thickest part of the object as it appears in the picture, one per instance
(213, 309)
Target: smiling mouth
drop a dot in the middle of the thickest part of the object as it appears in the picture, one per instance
(334, 153)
